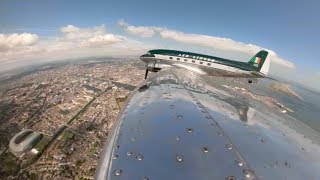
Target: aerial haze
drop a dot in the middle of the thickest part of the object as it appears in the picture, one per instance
(56, 30)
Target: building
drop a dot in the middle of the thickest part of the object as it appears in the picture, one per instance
(24, 141)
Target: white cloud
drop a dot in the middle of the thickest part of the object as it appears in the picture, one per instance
(69, 29)
(88, 37)
(139, 31)
(213, 42)
(71, 32)
(224, 44)
(106, 39)
(72, 42)
(8, 41)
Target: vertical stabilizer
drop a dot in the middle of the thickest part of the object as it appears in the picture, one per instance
(260, 62)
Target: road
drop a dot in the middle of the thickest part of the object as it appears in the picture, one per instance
(65, 126)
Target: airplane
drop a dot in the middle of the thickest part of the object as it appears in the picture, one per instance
(158, 58)
(181, 124)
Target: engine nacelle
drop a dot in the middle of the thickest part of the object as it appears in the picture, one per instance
(154, 66)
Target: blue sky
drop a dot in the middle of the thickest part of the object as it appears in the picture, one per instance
(289, 28)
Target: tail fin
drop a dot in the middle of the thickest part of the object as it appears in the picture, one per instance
(260, 62)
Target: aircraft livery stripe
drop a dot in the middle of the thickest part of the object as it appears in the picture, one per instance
(204, 63)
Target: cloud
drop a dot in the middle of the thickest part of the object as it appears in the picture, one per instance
(72, 42)
(224, 44)
(139, 31)
(69, 29)
(17, 45)
(71, 32)
(89, 37)
(106, 39)
(213, 42)
(8, 41)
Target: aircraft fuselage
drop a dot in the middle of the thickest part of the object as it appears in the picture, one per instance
(198, 62)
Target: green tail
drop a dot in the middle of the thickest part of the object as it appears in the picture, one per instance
(257, 61)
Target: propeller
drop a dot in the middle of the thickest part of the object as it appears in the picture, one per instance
(146, 75)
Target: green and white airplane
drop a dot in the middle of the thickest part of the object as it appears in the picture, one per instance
(159, 58)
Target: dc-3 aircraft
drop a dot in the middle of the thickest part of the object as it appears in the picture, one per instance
(205, 117)
(159, 58)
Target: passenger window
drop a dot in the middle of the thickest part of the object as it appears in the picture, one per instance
(193, 61)
(170, 57)
(201, 62)
(178, 59)
(209, 64)
(185, 60)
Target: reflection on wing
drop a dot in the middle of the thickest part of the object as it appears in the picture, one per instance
(184, 125)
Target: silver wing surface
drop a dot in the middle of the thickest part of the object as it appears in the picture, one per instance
(183, 125)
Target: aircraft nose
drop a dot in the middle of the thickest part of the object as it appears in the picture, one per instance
(144, 58)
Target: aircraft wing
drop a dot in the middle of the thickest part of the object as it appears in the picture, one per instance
(183, 125)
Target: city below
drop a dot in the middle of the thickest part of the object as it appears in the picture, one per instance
(57, 117)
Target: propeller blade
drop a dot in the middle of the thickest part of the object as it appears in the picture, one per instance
(145, 77)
